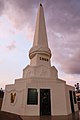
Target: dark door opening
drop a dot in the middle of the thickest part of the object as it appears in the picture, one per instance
(45, 102)
(71, 101)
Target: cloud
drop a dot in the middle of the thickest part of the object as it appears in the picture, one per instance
(72, 64)
(63, 26)
(2, 6)
(66, 51)
(70, 78)
(12, 46)
(64, 15)
(21, 12)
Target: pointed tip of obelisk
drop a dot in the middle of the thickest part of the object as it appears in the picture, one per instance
(40, 4)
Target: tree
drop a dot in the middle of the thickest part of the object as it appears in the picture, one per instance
(1, 93)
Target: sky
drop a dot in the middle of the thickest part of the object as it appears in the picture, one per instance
(17, 26)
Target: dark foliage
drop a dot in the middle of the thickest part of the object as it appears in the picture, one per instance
(1, 93)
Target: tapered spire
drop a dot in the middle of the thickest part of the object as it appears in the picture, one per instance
(40, 36)
(40, 43)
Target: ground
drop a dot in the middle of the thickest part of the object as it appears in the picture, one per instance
(9, 116)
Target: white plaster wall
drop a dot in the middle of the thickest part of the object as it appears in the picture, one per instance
(18, 106)
(54, 73)
(40, 71)
(35, 61)
(59, 99)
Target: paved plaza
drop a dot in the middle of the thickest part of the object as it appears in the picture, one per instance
(74, 116)
(10, 116)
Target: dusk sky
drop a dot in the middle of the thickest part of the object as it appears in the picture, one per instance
(17, 26)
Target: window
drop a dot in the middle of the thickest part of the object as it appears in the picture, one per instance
(74, 96)
(32, 98)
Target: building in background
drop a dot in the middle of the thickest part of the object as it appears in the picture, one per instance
(40, 92)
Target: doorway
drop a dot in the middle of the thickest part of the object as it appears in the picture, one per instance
(45, 102)
(71, 101)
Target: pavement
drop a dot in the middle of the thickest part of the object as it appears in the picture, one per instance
(70, 117)
(10, 116)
